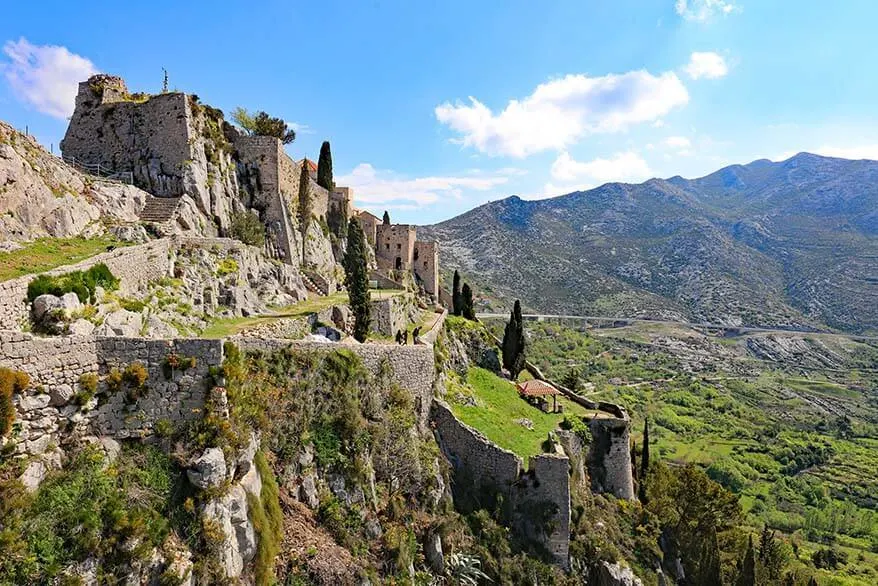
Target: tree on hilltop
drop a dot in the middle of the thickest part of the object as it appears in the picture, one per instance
(356, 279)
(466, 307)
(386, 219)
(261, 124)
(513, 342)
(456, 299)
(324, 167)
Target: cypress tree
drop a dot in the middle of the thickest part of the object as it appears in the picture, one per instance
(356, 279)
(466, 303)
(747, 577)
(386, 219)
(305, 208)
(324, 167)
(644, 462)
(709, 568)
(456, 301)
(513, 342)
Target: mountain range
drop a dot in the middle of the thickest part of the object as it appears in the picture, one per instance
(781, 244)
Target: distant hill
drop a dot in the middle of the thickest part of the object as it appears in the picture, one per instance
(793, 243)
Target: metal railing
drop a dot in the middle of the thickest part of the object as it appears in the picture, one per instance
(101, 171)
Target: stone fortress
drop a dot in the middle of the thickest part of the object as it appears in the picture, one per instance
(176, 148)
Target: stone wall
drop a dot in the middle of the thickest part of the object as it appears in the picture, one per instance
(391, 315)
(412, 368)
(48, 414)
(395, 246)
(541, 504)
(149, 139)
(135, 266)
(536, 502)
(425, 264)
(609, 457)
(271, 179)
(429, 337)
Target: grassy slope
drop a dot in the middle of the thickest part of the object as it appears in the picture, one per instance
(498, 406)
(47, 253)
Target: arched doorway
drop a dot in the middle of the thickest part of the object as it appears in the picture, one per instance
(399, 263)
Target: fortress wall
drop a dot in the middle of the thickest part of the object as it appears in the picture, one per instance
(410, 367)
(542, 504)
(48, 414)
(425, 263)
(479, 464)
(536, 502)
(149, 139)
(429, 337)
(135, 266)
(609, 457)
(390, 315)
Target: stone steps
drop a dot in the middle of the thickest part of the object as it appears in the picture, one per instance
(312, 286)
(159, 209)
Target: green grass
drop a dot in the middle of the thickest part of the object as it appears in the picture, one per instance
(48, 253)
(499, 406)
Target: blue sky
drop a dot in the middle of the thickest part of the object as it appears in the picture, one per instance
(435, 107)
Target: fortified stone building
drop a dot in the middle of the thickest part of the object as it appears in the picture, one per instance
(172, 145)
(397, 249)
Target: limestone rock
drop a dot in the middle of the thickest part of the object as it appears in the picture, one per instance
(130, 233)
(44, 306)
(245, 458)
(156, 328)
(229, 512)
(70, 303)
(607, 574)
(308, 491)
(433, 553)
(33, 475)
(122, 323)
(81, 327)
(208, 470)
(60, 395)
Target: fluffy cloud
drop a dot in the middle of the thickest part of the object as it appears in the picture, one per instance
(626, 166)
(561, 111)
(853, 152)
(707, 64)
(372, 186)
(45, 76)
(703, 10)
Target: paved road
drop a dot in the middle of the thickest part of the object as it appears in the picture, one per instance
(709, 326)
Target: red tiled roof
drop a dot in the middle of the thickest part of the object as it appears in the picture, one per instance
(536, 388)
(312, 166)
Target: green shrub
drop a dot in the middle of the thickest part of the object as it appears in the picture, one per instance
(79, 282)
(134, 305)
(88, 386)
(11, 381)
(267, 522)
(227, 266)
(247, 228)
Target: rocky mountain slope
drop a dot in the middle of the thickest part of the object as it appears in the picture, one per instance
(793, 243)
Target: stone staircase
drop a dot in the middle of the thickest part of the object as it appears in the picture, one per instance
(312, 286)
(159, 210)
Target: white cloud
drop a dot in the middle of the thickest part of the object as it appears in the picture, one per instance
(300, 128)
(855, 152)
(561, 111)
(45, 76)
(372, 186)
(575, 175)
(703, 10)
(677, 142)
(706, 64)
